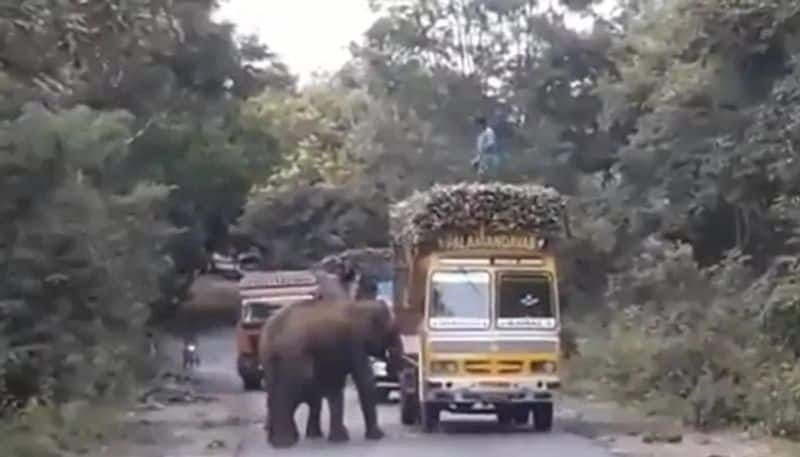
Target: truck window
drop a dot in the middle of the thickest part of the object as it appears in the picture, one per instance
(525, 300)
(386, 291)
(258, 311)
(459, 299)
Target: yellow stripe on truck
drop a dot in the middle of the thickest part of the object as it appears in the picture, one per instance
(493, 364)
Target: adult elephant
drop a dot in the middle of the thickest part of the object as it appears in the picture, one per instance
(308, 349)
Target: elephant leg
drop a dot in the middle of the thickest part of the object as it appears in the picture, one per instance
(365, 385)
(268, 387)
(338, 432)
(313, 426)
(285, 393)
(268, 407)
(282, 428)
(266, 414)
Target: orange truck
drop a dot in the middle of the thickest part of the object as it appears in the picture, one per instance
(262, 293)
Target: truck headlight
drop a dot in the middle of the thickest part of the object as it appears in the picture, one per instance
(379, 368)
(444, 366)
(543, 367)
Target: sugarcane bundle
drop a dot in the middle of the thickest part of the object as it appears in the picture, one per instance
(492, 208)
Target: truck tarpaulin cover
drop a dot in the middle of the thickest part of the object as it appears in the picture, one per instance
(495, 208)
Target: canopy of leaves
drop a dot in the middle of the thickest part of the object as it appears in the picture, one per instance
(299, 225)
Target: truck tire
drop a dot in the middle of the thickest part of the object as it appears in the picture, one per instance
(409, 410)
(513, 415)
(522, 415)
(543, 416)
(382, 394)
(504, 417)
(251, 383)
(430, 417)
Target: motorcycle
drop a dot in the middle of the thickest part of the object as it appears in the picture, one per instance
(190, 357)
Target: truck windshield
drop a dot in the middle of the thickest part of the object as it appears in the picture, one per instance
(385, 291)
(258, 311)
(525, 300)
(459, 299)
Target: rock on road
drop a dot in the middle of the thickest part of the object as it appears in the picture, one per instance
(461, 436)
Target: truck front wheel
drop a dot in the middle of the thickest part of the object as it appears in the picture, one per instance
(504, 416)
(543, 416)
(522, 415)
(513, 414)
(382, 393)
(251, 382)
(409, 409)
(430, 417)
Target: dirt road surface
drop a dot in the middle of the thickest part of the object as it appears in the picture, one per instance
(229, 421)
(231, 425)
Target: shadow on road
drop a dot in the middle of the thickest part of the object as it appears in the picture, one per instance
(471, 426)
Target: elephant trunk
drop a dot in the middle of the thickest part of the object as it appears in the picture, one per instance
(395, 353)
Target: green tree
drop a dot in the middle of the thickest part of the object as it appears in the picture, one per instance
(80, 265)
(125, 151)
(439, 63)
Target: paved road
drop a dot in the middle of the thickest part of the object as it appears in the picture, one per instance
(462, 436)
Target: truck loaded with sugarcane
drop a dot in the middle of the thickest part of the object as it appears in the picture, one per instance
(476, 297)
(263, 293)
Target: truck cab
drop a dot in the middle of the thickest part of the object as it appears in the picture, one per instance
(262, 293)
(480, 320)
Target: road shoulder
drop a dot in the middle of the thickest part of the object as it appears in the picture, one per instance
(180, 419)
(628, 433)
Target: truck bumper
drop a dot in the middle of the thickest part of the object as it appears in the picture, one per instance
(490, 391)
(383, 379)
(388, 384)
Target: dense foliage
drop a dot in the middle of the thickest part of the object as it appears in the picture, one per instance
(125, 154)
(139, 136)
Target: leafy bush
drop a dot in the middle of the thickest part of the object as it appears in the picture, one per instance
(694, 342)
(78, 264)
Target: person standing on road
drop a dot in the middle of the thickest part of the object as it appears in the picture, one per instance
(190, 356)
(152, 344)
(487, 159)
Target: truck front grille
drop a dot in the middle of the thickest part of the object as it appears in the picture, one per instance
(509, 366)
(493, 367)
(478, 366)
(503, 346)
